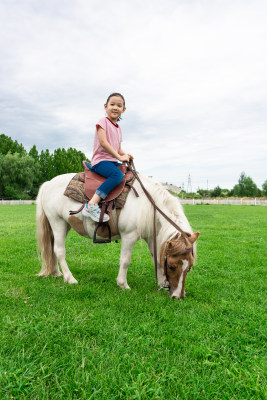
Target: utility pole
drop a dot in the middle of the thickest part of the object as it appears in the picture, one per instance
(189, 185)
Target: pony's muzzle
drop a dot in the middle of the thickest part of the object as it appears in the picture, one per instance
(174, 296)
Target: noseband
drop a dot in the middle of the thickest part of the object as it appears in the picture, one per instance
(156, 208)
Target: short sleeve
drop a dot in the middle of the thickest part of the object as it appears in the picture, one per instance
(102, 123)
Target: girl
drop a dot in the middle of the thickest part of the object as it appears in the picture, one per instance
(106, 154)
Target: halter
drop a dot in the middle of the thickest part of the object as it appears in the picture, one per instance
(166, 264)
(156, 208)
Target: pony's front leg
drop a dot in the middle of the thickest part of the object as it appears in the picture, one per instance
(127, 244)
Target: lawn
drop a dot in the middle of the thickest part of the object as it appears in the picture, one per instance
(94, 341)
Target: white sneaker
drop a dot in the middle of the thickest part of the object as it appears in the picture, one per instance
(94, 213)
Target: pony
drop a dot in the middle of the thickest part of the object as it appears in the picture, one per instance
(176, 253)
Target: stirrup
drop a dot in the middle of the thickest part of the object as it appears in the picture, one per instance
(95, 240)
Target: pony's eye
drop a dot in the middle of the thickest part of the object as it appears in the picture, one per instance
(172, 268)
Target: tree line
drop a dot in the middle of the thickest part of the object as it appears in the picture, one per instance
(22, 172)
(244, 188)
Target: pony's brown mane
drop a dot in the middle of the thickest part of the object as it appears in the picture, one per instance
(177, 246)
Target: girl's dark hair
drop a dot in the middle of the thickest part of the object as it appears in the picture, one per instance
(116, 94)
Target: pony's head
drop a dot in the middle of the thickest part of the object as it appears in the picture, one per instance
(176, 259)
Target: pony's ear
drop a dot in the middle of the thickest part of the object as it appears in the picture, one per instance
(194, 237)
(169, 244)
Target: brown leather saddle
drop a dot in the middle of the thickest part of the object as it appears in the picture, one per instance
(92, 181)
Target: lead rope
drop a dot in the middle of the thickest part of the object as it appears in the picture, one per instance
(131, 167)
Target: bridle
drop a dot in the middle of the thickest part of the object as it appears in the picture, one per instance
(131, 167)
(166, 265)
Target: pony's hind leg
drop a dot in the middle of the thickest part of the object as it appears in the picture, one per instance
(127, 244)
(60, 230)
(45, 238)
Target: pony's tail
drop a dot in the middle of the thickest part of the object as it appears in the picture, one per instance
(45, 239)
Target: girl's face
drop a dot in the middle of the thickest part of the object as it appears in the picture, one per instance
(114, 108)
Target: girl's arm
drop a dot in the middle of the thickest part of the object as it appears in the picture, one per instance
(121, 156)
(121, 152)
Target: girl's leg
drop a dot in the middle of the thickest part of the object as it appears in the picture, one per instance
(115, 176)
(94, 200)
(110, 170)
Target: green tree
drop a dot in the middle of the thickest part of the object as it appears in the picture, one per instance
(34, 153)
(204, 192)
(46, 166)
(245, 187)
(7, 145)
(65, 161)
(1, 169)
(60, 162)
(264, 188)
(17, 182)
(216, 192)
(29, 171)
(37, 178)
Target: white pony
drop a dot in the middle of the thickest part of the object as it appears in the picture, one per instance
(174, 257)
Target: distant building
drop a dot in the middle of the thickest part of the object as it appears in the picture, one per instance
(172, 188)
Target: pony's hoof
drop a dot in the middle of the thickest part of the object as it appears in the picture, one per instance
(57, 274)
(123, 285)
(42, 274)
(71, 280)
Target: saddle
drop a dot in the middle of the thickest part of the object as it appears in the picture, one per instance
(93, 181)
(83, 186)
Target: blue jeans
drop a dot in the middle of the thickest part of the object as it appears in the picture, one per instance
(110, 170)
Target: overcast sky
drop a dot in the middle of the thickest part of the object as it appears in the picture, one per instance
(193, 73)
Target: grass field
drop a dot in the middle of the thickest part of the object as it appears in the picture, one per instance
(94, 341)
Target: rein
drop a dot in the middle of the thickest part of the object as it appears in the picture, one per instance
(131, 167)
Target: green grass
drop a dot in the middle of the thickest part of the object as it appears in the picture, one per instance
(94, 341)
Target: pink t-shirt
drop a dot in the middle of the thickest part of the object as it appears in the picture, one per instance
(114, 137)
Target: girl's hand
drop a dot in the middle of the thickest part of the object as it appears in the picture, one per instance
(124, 157)
(131, 157)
